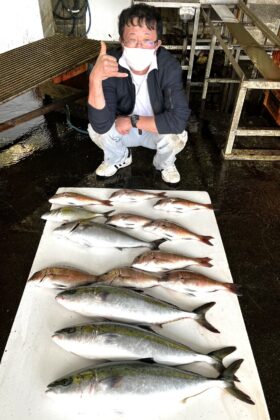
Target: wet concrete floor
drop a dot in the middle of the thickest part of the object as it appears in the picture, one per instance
(246, 196)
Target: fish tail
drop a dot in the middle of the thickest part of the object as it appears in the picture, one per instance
(162, 194)
(108, 213)
(205, 262)
(219, 355)
(201, 312)
(106, 203)
(228, 375)
(206, 240)
(234, 288)
(156, 244)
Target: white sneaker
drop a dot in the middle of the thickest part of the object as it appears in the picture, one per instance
(170, 174)
(108, 169)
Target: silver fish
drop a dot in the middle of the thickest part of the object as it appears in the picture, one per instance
(157, 261)
(77, 199)
(71, 214)
(170, 230)
(127, 305)
(130, 277)
(128, 196)
(180, 205)
(91, 234)
(133, 386)
(119, 341)
(195, 284)
(61, 278)
(127, 220)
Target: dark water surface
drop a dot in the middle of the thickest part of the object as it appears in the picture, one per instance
(47, 154)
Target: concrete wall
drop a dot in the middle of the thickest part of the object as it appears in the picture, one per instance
(104, 18)
(47, 17)
(21, 22)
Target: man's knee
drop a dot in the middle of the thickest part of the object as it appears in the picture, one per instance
(172, 143)
(95, 137)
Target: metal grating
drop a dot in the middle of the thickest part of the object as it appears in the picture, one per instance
(26, 67)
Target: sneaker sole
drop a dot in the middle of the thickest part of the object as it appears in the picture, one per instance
(117, 167)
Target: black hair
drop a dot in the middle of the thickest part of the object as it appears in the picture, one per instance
(143, 14)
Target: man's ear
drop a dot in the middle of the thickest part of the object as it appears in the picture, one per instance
(158, 44)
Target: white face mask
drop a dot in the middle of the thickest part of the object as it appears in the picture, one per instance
(138, 58)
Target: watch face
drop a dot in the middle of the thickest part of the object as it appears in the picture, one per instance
(134, 119)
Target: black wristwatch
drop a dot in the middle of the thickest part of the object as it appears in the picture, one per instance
(134, 119)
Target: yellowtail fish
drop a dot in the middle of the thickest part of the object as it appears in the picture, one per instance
(91, 234)
(122, 304)
(76, 199)
(71, 214)
(119, 341)
(180, 205)
(157, 261)
(127, 220)
(172, 231)
(61, 278)
(135, 385)
(195, 284)
(128, 196)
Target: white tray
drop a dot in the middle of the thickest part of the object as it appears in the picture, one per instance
(31, 360)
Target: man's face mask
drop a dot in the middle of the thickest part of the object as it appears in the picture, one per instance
(139, 59)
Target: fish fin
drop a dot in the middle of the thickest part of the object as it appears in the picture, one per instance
(205, 262)
(106, 203)
(228, 375)
(206, 240)
(149, 360)
(201, 312)
(108, 213)
(234, 288)
(240, 395)
(156, 244)
(146, 327)
(219, 355)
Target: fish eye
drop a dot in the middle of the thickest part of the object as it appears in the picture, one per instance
(70, 330)
(61, 382)
(66, 381)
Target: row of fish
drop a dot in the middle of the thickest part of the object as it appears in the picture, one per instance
(124, 343)
(183, 281)
(124, 336)
(172, 204)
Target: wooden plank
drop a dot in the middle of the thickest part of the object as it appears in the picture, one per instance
(28, 66)
(40, 111)
(252, 154)
(265, 30)
(69, 74)
(256, 53)
(224, 13)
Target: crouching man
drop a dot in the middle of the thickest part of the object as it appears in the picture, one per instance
(136, 97)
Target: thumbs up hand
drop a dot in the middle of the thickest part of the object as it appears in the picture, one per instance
(105, 66)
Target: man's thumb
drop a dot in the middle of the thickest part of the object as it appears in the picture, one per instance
(103, 48)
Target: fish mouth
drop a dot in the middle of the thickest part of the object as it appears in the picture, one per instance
(56, 337)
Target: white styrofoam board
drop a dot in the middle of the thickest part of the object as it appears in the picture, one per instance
(31, 360)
